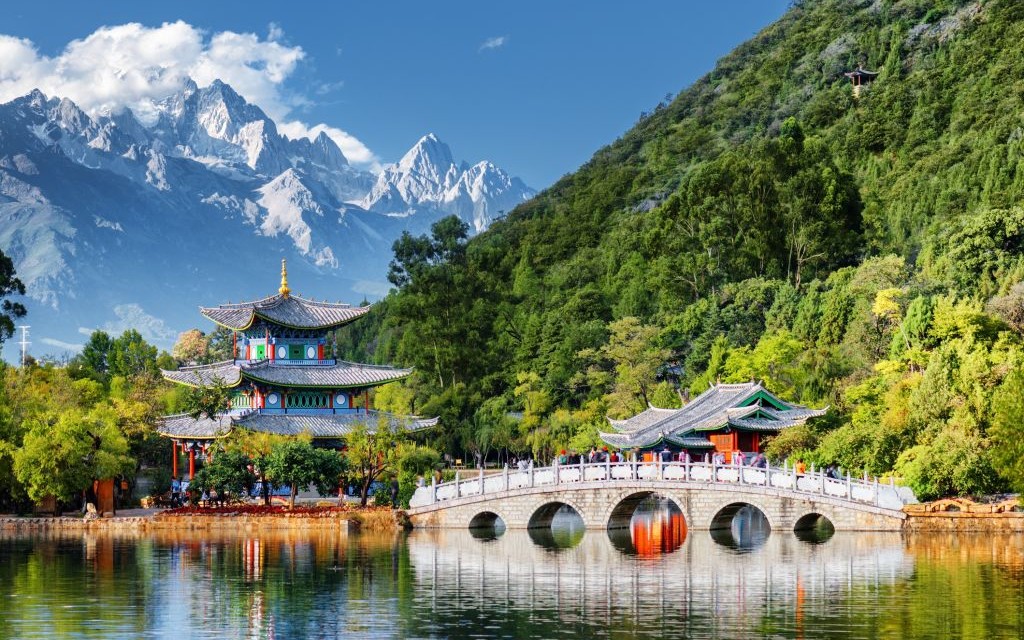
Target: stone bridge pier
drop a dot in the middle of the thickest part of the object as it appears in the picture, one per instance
(603, 505)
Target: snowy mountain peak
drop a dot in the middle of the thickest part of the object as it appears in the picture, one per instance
(427, 178)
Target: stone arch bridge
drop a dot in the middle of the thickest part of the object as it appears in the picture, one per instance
(605, 495)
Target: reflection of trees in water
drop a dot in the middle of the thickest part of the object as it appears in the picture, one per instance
(565, 532)
(445, 583)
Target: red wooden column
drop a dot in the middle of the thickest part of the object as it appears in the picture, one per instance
(191, 464)
(174, 459)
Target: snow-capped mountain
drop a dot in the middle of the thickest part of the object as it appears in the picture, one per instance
(427, 179)
(114, 221)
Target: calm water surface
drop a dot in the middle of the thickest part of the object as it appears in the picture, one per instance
(650, 580)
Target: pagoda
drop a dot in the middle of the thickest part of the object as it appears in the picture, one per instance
(726, 418)
(281, 379)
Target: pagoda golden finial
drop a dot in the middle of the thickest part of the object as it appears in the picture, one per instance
(284, 290)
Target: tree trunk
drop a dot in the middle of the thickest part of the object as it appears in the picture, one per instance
(364, 491)
(291, 499)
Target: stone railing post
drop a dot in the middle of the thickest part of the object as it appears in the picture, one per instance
(558, 480)
(505, 473)
(822, 483)
(433, 489)
(582, 472)
(739, 472)
(661, 467)
(849, 486)
(608, 468)
(481, 479)
(531, 476)
(877, 501)
(457, 488)
(714, 471)
(686, 469)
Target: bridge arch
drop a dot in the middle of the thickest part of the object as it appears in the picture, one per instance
(814, 526)
(490, 518)
(723, 515)
(624, 505)
(543, 513)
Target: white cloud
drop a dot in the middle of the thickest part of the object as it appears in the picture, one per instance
(86, 331)
(68, 346)
(493, 43)
(134, 66)
(371, 288)
(132, 316)
(356, 152)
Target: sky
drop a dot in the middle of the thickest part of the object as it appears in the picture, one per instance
(534, 86)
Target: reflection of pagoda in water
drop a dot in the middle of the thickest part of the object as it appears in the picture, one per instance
(662, 531)
(283, 379)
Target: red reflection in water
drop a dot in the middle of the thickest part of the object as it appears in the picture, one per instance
(659, 532)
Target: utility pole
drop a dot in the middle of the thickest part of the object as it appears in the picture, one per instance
(24, 342)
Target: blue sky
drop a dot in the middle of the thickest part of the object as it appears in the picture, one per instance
(536, 87)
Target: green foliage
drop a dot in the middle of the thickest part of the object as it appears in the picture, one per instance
(10, 285)
(297, 463)
(371, 455)
(227, 471)
(207, 400)
(62, 453)
(761, 225)
(1007, 430)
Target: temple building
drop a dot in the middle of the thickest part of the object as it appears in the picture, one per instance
(726, 418)
(859, 78)
(281, 378)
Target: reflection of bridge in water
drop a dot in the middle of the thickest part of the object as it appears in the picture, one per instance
(605, 495)
(702, 582)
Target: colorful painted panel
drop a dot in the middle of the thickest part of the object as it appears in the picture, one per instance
(295, 352)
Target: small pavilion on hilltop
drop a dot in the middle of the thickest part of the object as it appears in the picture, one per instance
(726, 418)
(281, 379)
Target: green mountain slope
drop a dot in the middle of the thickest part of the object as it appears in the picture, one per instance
(860, 252)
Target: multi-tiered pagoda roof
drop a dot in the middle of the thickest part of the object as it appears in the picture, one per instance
(747, 407)
(282, 377)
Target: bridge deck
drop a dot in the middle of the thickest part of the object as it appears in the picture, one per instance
(849, 493)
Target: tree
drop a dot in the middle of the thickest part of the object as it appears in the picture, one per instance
(63, 452)
(131, 355)
(95, 353)
(228, 470)
(191, 347)
(1007, 430)
(371, 455)
(297, 463)
(9, 285)
(207, 400)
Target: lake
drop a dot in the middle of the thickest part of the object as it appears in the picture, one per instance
(650, 580)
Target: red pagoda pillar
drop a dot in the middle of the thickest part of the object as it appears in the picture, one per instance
(191, 464)
(174, 458)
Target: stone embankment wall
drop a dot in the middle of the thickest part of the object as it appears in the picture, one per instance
(965, 515)
(190, 522)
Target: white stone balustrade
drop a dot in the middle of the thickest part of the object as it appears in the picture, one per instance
(814, 483)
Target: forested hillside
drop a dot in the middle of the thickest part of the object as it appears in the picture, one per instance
(858, 252)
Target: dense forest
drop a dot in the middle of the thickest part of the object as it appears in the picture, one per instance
(861, 252)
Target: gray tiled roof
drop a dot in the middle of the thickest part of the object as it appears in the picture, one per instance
(318, 426)
(342, 374)
(722, 404)
(291, 311)
(203, 376)
(336, 376)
